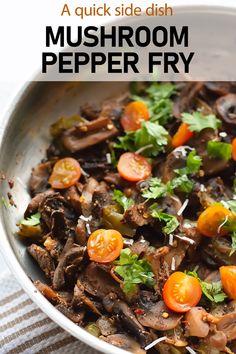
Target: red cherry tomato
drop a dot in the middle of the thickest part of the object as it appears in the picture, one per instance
(66, 172)
(104, 246)
(228, 280)
(134, 114)
(181, 292)
(134, 167)
(212, 221)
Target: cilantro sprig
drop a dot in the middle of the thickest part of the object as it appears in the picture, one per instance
(212, 291)
(182, 181)
(33, 220)
(171, 222)
(133, 271)
(150, 133)
(157, 189)
(158, 100)
(197, 121)
(122, 200)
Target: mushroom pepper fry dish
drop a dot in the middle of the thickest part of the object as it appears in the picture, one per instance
(133, 218)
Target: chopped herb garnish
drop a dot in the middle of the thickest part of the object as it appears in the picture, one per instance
(212, 291)
(158, 189)
(158, 101)
(219, 150)
(197, 121)
(155, 190)
(33, 220)
(122, 200)
(182, 182)
(150, 133)
(171, 222)
(133, 271)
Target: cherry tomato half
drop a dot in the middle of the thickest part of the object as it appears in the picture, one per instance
(234, 149)
(66, 172)
(134, 167)
(182, 135)
(211, 221)
(134, 114)
(181, 292)
(228, 280)
(104, 246)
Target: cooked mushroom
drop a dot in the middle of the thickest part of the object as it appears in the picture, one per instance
(43, 259)
(185, 101)
(226, 108)
(125, 342)
(227, 324)
(39, 177)
(88, 134)
(158, 317)
(196, 326)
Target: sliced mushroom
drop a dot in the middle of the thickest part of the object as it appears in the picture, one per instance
(195, 324)
(43, 259)
(127, 318)
(69, 263)
(98, 282)
(106, 326)
(226, 108)
(227, 324)
(159, 317)
(39, 177)
(125, 342)
(86, 135)
(75, 316)
(184, 102)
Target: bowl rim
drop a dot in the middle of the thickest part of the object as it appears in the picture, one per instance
(6, 249)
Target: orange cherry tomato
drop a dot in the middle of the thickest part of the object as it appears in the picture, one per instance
(66, 172)
(134, 167)
(104, 246)
(181, 292)
(182, 135)
(134, 114)
(234, 149)
(212, 221)
(228, 280)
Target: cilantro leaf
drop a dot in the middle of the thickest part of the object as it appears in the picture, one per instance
(155, 190)
(233, 243)
(197, 121)
(158, 101)
(171, 222)
(150, 133)
(134, 271)
(122, 200)
(212, 291)
(182, 182)
(33, 220)
(219, 150)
